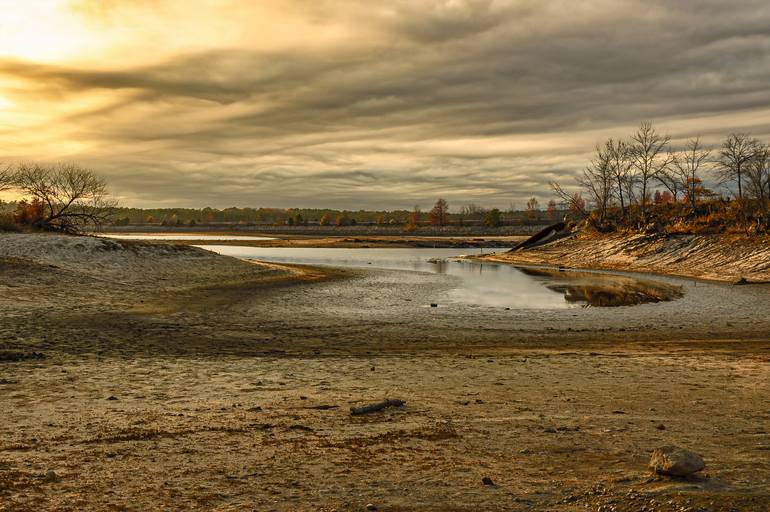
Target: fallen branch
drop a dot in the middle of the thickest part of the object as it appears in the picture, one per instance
(366, 409)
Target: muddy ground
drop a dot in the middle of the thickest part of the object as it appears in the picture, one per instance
(229, 388)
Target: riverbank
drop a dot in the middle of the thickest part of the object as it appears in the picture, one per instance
(713, 258)
(139, 376)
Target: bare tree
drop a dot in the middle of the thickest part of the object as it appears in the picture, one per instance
(670, 180)
(758, 177)
(471, 212)
(439, 214)
(648, 159)
(620, 165)
(7, 178)
(685, 169)
(73, 198)
(571, 201)
(598, 180)
(736, 152)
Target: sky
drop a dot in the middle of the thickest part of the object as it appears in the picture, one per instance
(357, 104)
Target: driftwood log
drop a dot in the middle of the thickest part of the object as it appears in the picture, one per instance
(366, 409)
(541, 237)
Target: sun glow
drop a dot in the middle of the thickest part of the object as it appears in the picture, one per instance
(39, 30)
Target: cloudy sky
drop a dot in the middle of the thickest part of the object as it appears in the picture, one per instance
(362, 104)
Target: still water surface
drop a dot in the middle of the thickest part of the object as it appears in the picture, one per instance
(167, 236)
(473, 282)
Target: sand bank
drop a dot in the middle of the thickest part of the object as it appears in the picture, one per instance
(715, 258)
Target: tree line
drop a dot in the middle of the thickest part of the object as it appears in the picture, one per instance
(624, 179)
(70, 198)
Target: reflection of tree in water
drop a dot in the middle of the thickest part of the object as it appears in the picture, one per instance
(605, 290)
(611, 296)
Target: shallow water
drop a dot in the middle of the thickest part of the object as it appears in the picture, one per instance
(168, 236)
(472, 282)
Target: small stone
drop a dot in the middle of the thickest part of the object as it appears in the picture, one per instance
(487, 481)
(371, 506)
(112, 397)
(675, 461)
(51, 476)
(661, 426)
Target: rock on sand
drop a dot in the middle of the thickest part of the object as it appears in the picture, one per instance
(675, 461)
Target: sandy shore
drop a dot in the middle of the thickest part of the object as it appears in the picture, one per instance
(176, 379)
(715, 258)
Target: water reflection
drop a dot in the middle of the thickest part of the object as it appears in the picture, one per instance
(605, 290)
(474, 282)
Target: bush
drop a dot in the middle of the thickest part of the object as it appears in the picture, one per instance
(29, 213)
(8, 223)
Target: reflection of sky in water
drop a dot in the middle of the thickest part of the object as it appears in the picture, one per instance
(150, 236)
(485, 284)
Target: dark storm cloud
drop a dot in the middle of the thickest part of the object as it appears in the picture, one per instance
(475, 100)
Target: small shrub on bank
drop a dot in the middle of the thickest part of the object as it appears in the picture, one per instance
(7, 223)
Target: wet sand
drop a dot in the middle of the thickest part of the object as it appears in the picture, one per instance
(233, 382)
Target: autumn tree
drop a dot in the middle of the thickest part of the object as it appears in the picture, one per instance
(439, 214)
(648, 160)
(551, 209)
(533, 207)
(73, 198)
(325, 220)
(29, 212)
(736, 152)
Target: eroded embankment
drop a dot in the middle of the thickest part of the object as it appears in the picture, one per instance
(715, 258)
